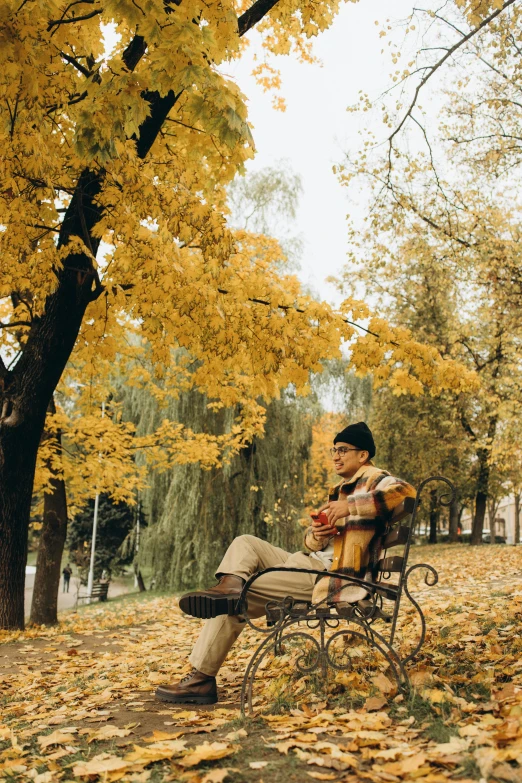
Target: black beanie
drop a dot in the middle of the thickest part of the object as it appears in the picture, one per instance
(358, 435)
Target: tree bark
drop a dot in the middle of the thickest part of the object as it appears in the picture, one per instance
(481, 497)
(44, 607)
(478, 519)
(141, 583)
(493, 506)
(454, 519)
(517, 517)
(17, 464)
(434, 516)
(27, 389)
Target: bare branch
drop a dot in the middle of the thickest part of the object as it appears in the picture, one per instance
(57, 22)
(434, 68)
(255, 300)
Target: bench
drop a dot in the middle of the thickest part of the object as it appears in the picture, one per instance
(373, 622)
(100, 591)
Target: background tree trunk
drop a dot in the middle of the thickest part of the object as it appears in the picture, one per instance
(434, 516)
(44, 607)
(141, 583)
(454, 519)
(517, 517)
(493, 506)
(481, 497)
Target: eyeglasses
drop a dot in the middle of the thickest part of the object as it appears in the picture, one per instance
(341, 450)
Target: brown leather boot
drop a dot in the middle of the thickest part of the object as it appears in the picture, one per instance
(194, 688)
(221, 599)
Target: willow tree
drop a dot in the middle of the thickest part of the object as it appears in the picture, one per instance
(195, 513)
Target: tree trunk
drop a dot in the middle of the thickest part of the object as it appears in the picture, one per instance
(44, 607)
(481, 497)
(26, 390)
(434, 516)
(493, 506)
(17, 464)
(517, 517)
(141, 583)
(454, 519)
(478, 519)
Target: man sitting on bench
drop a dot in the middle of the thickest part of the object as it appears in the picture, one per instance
(357, 511)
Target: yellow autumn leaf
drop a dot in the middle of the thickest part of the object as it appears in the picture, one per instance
(209, 751)
(101, 764)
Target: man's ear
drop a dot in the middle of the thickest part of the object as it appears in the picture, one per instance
(365, 456)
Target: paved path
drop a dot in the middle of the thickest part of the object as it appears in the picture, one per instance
(66, 600)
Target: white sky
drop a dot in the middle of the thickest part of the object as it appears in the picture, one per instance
(316, 129)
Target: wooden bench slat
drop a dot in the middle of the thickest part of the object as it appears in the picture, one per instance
(396, 537)
(391, 564)
(403, 510)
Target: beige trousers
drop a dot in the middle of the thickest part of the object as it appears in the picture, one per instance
(245, 556)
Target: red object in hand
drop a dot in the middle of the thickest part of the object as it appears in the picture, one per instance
(322, 518)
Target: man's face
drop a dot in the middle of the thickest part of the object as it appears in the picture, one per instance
(349, 462)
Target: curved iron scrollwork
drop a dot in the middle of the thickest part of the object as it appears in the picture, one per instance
(431, 582)
(359, 622)
(320, 656)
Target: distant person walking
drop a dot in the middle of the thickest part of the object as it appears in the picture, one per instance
(67, 573)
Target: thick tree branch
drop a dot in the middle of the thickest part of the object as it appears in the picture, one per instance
(254, 15)
(134, 52)
(79, 67)
(12, 324)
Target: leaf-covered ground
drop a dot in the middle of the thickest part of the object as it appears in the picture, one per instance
(77, 701)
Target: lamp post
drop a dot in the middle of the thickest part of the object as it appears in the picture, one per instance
(90, 578)
(137, 544)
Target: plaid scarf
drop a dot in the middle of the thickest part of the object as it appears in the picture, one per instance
(371, 494)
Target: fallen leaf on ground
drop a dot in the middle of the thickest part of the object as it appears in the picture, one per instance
(507, 773)
(156, 752)
(56, 738)
(412, 763)
(209, 751)
(234, 736)
(257, 764)
(421, 676)
(99, 765)
(375, 703)
(107, 732)
(384, 684)
(158, 736)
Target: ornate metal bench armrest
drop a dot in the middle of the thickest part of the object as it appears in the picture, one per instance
(371, 587)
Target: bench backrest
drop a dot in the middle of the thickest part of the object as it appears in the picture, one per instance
(396, 535)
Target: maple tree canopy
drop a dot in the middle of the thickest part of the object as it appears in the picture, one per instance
(134, 146)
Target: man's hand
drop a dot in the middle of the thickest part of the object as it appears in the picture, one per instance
(323, 531)
(335, 510)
